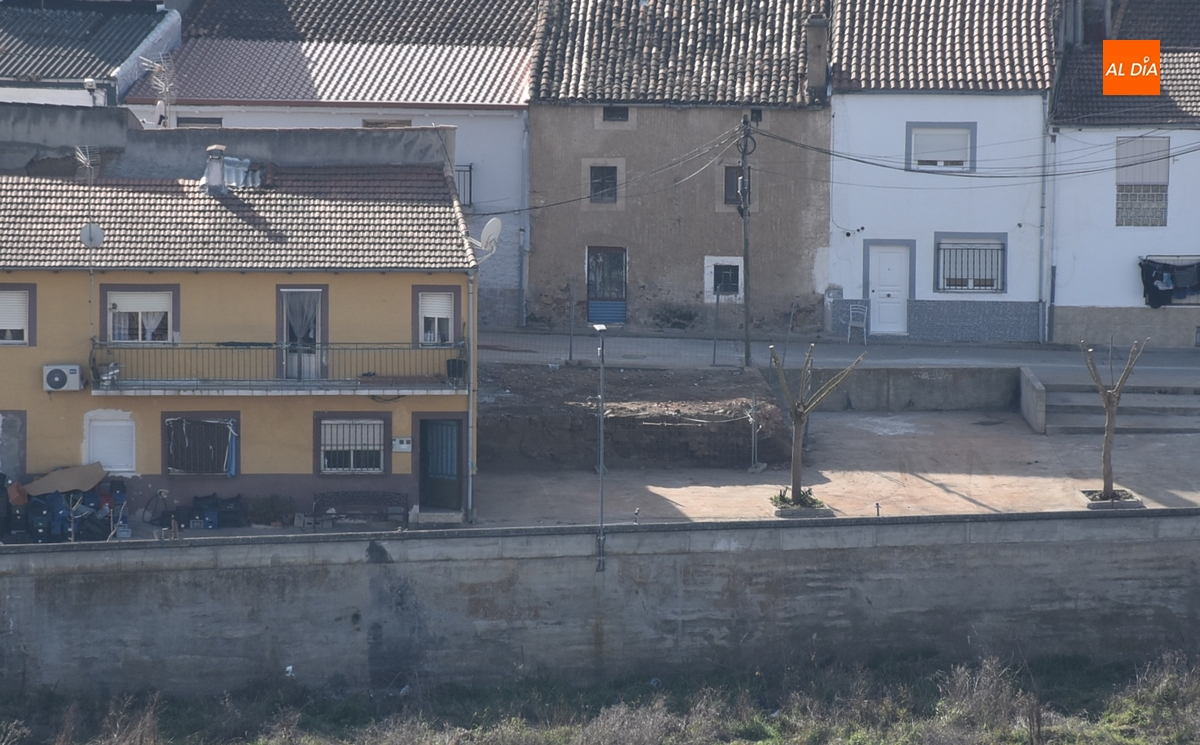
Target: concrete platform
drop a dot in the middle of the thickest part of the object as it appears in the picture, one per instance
(909, 464)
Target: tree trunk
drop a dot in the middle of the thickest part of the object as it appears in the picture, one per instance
(798, 454)
(1110, 431)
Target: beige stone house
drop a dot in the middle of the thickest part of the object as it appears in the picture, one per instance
(635, 126)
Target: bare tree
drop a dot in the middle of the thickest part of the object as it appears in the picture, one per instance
(801, 405)
(1110, 395)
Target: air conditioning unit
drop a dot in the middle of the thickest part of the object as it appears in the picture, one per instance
(61, 378)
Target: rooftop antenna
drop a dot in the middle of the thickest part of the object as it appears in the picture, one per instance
(162, 79)
(487, 239)
(92, 235)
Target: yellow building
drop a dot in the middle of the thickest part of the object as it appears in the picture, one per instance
(262, 331)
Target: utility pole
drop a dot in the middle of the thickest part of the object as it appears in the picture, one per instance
(745, 147)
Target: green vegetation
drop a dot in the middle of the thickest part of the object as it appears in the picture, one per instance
(909, 701)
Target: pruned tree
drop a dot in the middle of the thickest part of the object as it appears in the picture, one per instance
(801, 405)
(1110, 395)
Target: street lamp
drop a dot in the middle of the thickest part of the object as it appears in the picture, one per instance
(600, 329)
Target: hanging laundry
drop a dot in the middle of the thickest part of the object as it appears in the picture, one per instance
(1153, 272)
(1186, 276)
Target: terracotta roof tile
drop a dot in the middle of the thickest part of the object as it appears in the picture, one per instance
(320, 219)
(71, 41)
(345, 72)
(717, 52)
(964, 45)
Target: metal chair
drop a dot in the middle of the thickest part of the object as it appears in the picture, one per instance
(858, 320)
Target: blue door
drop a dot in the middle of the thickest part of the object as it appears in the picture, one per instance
(606, 284)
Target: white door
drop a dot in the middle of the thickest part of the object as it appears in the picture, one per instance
(889, 289)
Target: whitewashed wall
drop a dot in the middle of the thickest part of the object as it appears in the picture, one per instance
(1097, 261)
(492, 141)
(873, 203)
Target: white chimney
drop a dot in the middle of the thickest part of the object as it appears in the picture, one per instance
(817, 55)
(214, 171)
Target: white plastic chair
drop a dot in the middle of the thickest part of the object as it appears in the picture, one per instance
(858, 320)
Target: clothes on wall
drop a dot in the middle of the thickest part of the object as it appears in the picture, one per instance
(1162, 282)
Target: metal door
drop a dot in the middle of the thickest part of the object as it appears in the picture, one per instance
(606, 284)
(888, 279)
(441, 464)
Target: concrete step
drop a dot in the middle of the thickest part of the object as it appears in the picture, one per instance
(1058, 402)
(1129, 424)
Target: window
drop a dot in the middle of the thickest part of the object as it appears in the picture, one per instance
(615, 114)
(113, 444)
(1143, 170)
(733, 179)
(196, 444)
(604, 184)
(386, 123)
(723, 277)
(198, 122)
(437, 315)
(139, 316)
(941, 146)
(970, 266)
(352, 445)
(16, 314)
(463, 178)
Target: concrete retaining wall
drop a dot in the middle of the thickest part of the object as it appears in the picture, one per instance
(485, 605)
(1033, 401)
(921, 389)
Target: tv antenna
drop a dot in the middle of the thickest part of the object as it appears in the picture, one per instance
(487, 239)
(162, 79)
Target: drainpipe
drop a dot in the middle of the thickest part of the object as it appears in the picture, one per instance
(1043, 253)
(472, 383)
(523, 249)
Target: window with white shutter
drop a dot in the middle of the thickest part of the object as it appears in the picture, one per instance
(1143, 172)
(139, 316)
(436, 310)
(113, 444)
(941, 146)
(14, 317)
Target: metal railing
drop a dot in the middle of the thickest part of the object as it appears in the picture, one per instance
(462, 180)
(270, 366)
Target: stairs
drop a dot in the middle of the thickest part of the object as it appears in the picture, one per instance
(1075, 409)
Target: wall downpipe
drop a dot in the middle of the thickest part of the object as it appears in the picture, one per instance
(1043, 272)
(472, 385)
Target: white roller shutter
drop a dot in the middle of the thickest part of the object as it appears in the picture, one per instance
(437, 305)
(1143, 160)
(941, 145)
(112, 443)
(14, 310)
(139, 302)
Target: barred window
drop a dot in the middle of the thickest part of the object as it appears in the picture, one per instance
(201, 446)
(352, 446)
(1143, 172)
(977, 266)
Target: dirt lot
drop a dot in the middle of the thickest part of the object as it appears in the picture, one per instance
(544, 416)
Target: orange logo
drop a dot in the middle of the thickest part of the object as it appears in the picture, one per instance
(1131, 67)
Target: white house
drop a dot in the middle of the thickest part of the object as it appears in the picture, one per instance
(938, 194)
(1127, 176)
(388, 64)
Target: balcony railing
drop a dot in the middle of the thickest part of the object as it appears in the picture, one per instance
(123, 366)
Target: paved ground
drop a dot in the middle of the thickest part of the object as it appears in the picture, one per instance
(910, 464)
(919, 463)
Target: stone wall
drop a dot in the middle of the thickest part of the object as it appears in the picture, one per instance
(482, 606)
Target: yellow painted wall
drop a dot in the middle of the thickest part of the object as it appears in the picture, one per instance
(228, 306)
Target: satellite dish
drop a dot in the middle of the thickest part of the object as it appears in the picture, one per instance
(490, 234)
(487, 239)
(92, 235)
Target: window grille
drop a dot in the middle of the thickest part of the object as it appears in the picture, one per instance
(201, 446)
(726, 279)
(975, 267)
(352, 446)
(463, 177)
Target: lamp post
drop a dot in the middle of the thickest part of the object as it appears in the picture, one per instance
(600, 329)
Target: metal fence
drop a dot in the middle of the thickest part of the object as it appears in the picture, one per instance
(118, 366)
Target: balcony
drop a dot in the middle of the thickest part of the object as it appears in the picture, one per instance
(268, 369)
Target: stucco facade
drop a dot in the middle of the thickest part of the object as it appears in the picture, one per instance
(220, 323)
(886, 205)
(1098, 287)
(670, 217)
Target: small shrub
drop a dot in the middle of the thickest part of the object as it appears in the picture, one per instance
(804, 498)
(628, 725)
